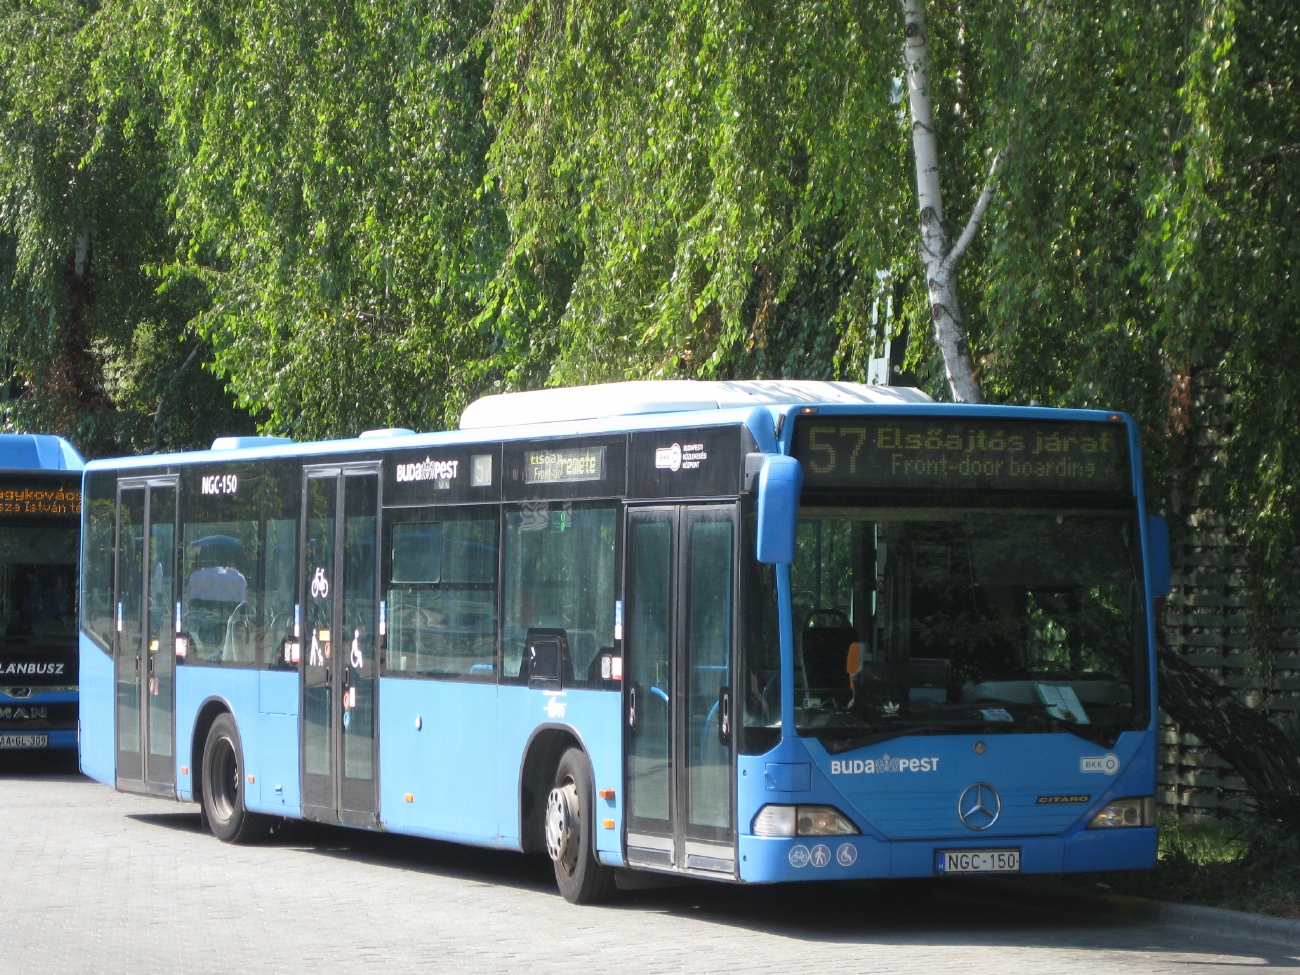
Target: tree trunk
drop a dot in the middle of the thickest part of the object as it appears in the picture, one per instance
(939, 256)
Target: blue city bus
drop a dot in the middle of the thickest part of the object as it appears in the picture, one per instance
(40, 517)
(754, 631)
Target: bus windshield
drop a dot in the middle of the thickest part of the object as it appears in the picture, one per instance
(967, 620)
(38, 585)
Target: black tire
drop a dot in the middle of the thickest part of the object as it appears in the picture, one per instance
(223, 786)
(569, 830)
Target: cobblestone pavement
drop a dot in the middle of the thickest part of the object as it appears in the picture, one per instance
(97, 881)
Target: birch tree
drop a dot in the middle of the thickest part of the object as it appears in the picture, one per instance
(940, 256)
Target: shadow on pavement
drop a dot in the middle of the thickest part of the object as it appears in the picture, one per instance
(32, 763)
(849, 913)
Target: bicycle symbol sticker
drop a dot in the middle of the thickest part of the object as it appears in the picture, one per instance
(320, 586)
(799, 856)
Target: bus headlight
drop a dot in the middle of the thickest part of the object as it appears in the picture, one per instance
(802, 821)
(1138, 811)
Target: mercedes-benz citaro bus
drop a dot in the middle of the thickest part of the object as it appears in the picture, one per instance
(756, 632)
(40, 518)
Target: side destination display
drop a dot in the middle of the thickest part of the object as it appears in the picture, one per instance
(961, 452)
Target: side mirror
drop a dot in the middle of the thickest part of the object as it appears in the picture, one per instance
(779, 482)
(1158, 556)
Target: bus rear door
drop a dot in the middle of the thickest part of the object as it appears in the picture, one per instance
(678, 644)
(146, 662)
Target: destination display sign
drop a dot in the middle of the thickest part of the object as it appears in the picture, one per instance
(564, 465)
(961, 453)
(565, 468)
(40, 498)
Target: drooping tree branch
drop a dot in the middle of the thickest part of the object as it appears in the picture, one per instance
(976, 218)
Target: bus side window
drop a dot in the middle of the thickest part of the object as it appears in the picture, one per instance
(558, 574)
(441, 592)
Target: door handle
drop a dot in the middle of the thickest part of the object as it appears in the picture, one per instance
(724, 716)
(137, 663)
(631, 707)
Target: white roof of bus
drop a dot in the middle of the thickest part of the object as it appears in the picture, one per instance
(670, 396)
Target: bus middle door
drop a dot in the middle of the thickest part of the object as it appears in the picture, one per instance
(340, 614)
(680, 585)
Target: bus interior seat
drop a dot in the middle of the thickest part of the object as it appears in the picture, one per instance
(827, 639)
(548, 660)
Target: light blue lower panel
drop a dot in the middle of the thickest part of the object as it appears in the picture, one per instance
(437, 750)
(236, 689)
(276, 752)
(595, 719)
(97, 749)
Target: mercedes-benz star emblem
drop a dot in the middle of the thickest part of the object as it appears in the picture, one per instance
(979, 806)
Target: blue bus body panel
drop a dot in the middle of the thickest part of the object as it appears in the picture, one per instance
(237, 689)
(595, 720)
(445, 764)
(97, 746)
(274, 752)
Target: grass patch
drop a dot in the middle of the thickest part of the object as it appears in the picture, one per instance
(1229, 865)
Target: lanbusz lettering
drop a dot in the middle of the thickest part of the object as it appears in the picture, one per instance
(29, 669)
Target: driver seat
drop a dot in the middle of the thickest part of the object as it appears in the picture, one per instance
(827, 638)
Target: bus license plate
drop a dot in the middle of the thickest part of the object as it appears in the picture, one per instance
(977, 861)
(24, 741)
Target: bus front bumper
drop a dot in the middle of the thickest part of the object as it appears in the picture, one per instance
(777, 860)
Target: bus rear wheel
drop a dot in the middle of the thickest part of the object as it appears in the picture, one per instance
(570, 833)
(223, 786)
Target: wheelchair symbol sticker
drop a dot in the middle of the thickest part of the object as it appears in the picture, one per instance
(357, 658)
(320, 586)
(799, 856)
(820, 855)
(846, 855)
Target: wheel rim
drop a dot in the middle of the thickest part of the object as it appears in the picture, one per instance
(223, 784)
(561, 826)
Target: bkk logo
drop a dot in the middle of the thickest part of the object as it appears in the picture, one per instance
(873, 766)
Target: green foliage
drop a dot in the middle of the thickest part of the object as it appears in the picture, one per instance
(83, 212)
(328, 186)
(696, 188)
(367, 215)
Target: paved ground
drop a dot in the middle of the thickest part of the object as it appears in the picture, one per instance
(97, 881)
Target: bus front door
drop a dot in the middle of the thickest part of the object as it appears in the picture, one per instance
(678, 647)
(340, 616)
(143, 601)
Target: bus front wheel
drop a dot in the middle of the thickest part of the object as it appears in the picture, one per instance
(570, 833)
(223, 786)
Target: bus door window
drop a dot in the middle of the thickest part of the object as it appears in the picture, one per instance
(318, 623)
